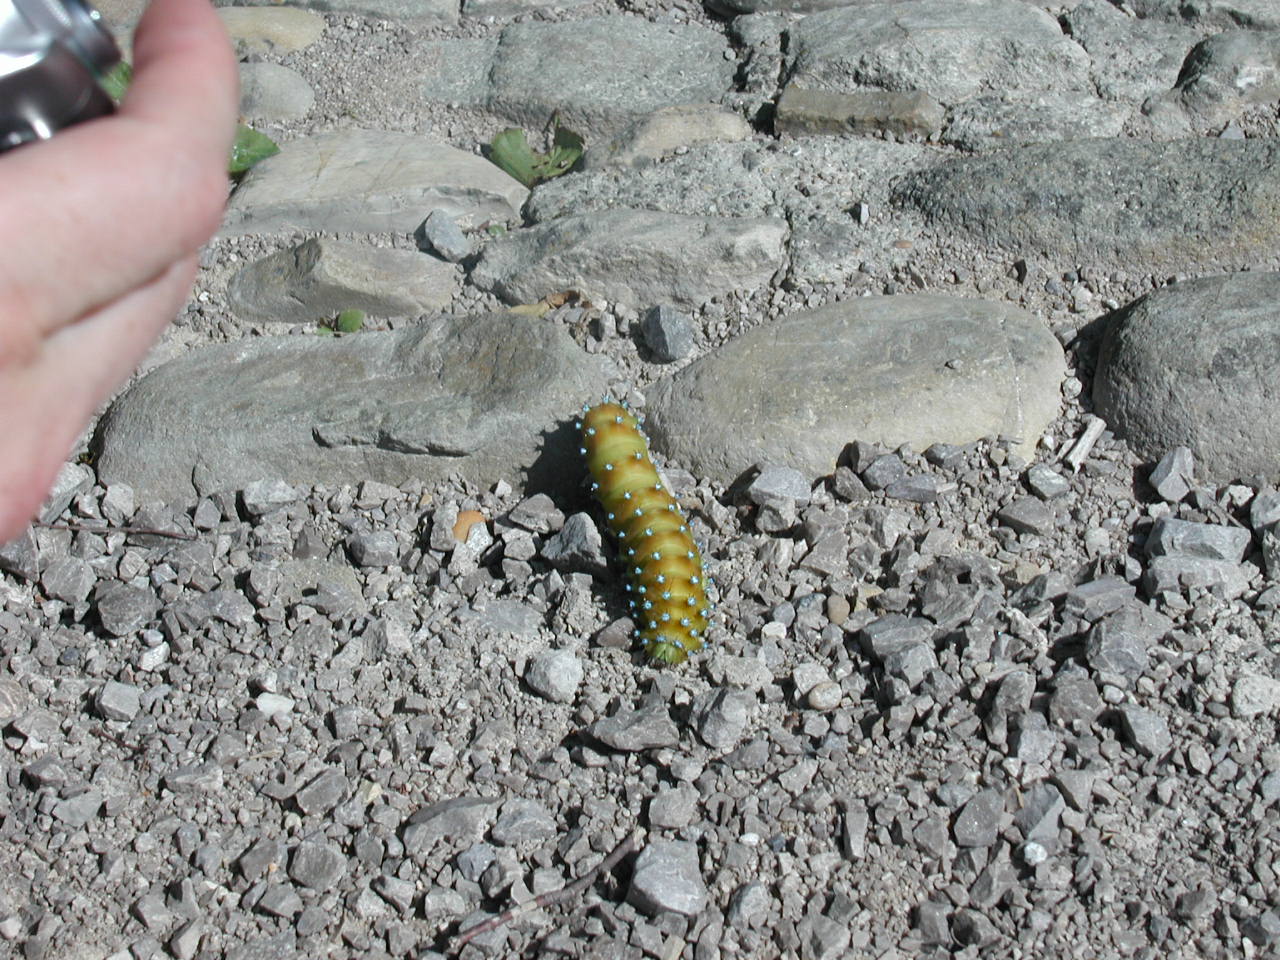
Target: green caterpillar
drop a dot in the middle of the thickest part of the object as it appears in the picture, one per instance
(663, 566)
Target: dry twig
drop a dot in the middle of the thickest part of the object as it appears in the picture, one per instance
(569, 892)
(136, 531)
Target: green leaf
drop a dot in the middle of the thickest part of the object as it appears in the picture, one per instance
(249, 147)
(510, 151)
(116, 80)
(566, 149)
(349, 321)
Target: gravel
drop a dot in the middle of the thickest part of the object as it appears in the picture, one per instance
(993, 698)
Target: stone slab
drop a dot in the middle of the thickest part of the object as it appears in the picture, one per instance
(952, 51)
(368, 181)
(1197, 365)
(319, 278)
(1118, 202)
(600, 73)
(665, 131)
(911, 113)
(443, 12)
(918, 369)
(638, 257)
(271, 31)
(484, 397)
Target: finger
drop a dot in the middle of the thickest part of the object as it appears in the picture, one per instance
(106, 205)
(182, 54)
(47, 403)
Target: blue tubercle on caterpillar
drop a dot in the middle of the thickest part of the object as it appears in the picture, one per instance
(663, 566)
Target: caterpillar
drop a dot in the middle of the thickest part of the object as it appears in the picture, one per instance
(663, 566)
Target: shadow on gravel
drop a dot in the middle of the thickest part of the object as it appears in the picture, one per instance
(558, 470)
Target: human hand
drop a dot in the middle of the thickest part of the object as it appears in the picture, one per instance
(100, 229)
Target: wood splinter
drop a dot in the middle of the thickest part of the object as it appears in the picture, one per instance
(569, 892)
(108, 529)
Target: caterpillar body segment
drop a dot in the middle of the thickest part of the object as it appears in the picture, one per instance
(665, 581)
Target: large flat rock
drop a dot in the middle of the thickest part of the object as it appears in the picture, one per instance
(598, 75)
(993, 121)
(1197, 365)
(484, 397)
(1132, 58)
(1118, 202)
(443, 12)
(271, 93)
(812, 184)
(666, 131)
(802, 112)
(1229, 72)
(952, 51)
(734, 7)
(907, 369)
(601, 73)
(637, 257)
(368, 181)
(271, 30)
(319, 278)
(1263, 14)
(736, 180)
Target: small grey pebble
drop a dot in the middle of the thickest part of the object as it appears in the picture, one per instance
(920, 488)
(317, 865)
(475, 860)
(375, 549)
(441, 233)
(883, 471)
(273, 704)
(117, 701)
(634, 730)
(537, 514)
(1028, 515)
(944, 455)
(68, 579)
(75, 812)
(668, 877)
(1172, 537)
(1174, 476)
(1146, 730)
(749, 905)
(280, 900)
(1263, 929)
(555, 675)
(720, 716)
(978, 823)
(1118, 643)
(1253, 696)
(1047, 483)
(668, 333)
(577, 547)
(323, 793)
(931, 919)
(522, 821)
(264, 855)
(399, 893)
(118, 502)
(263, 496)
(124, 609)
(775, 482)
(186, 939)
(151, 910)
(674, 808)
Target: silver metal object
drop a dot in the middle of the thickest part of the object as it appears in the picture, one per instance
(53, 53)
